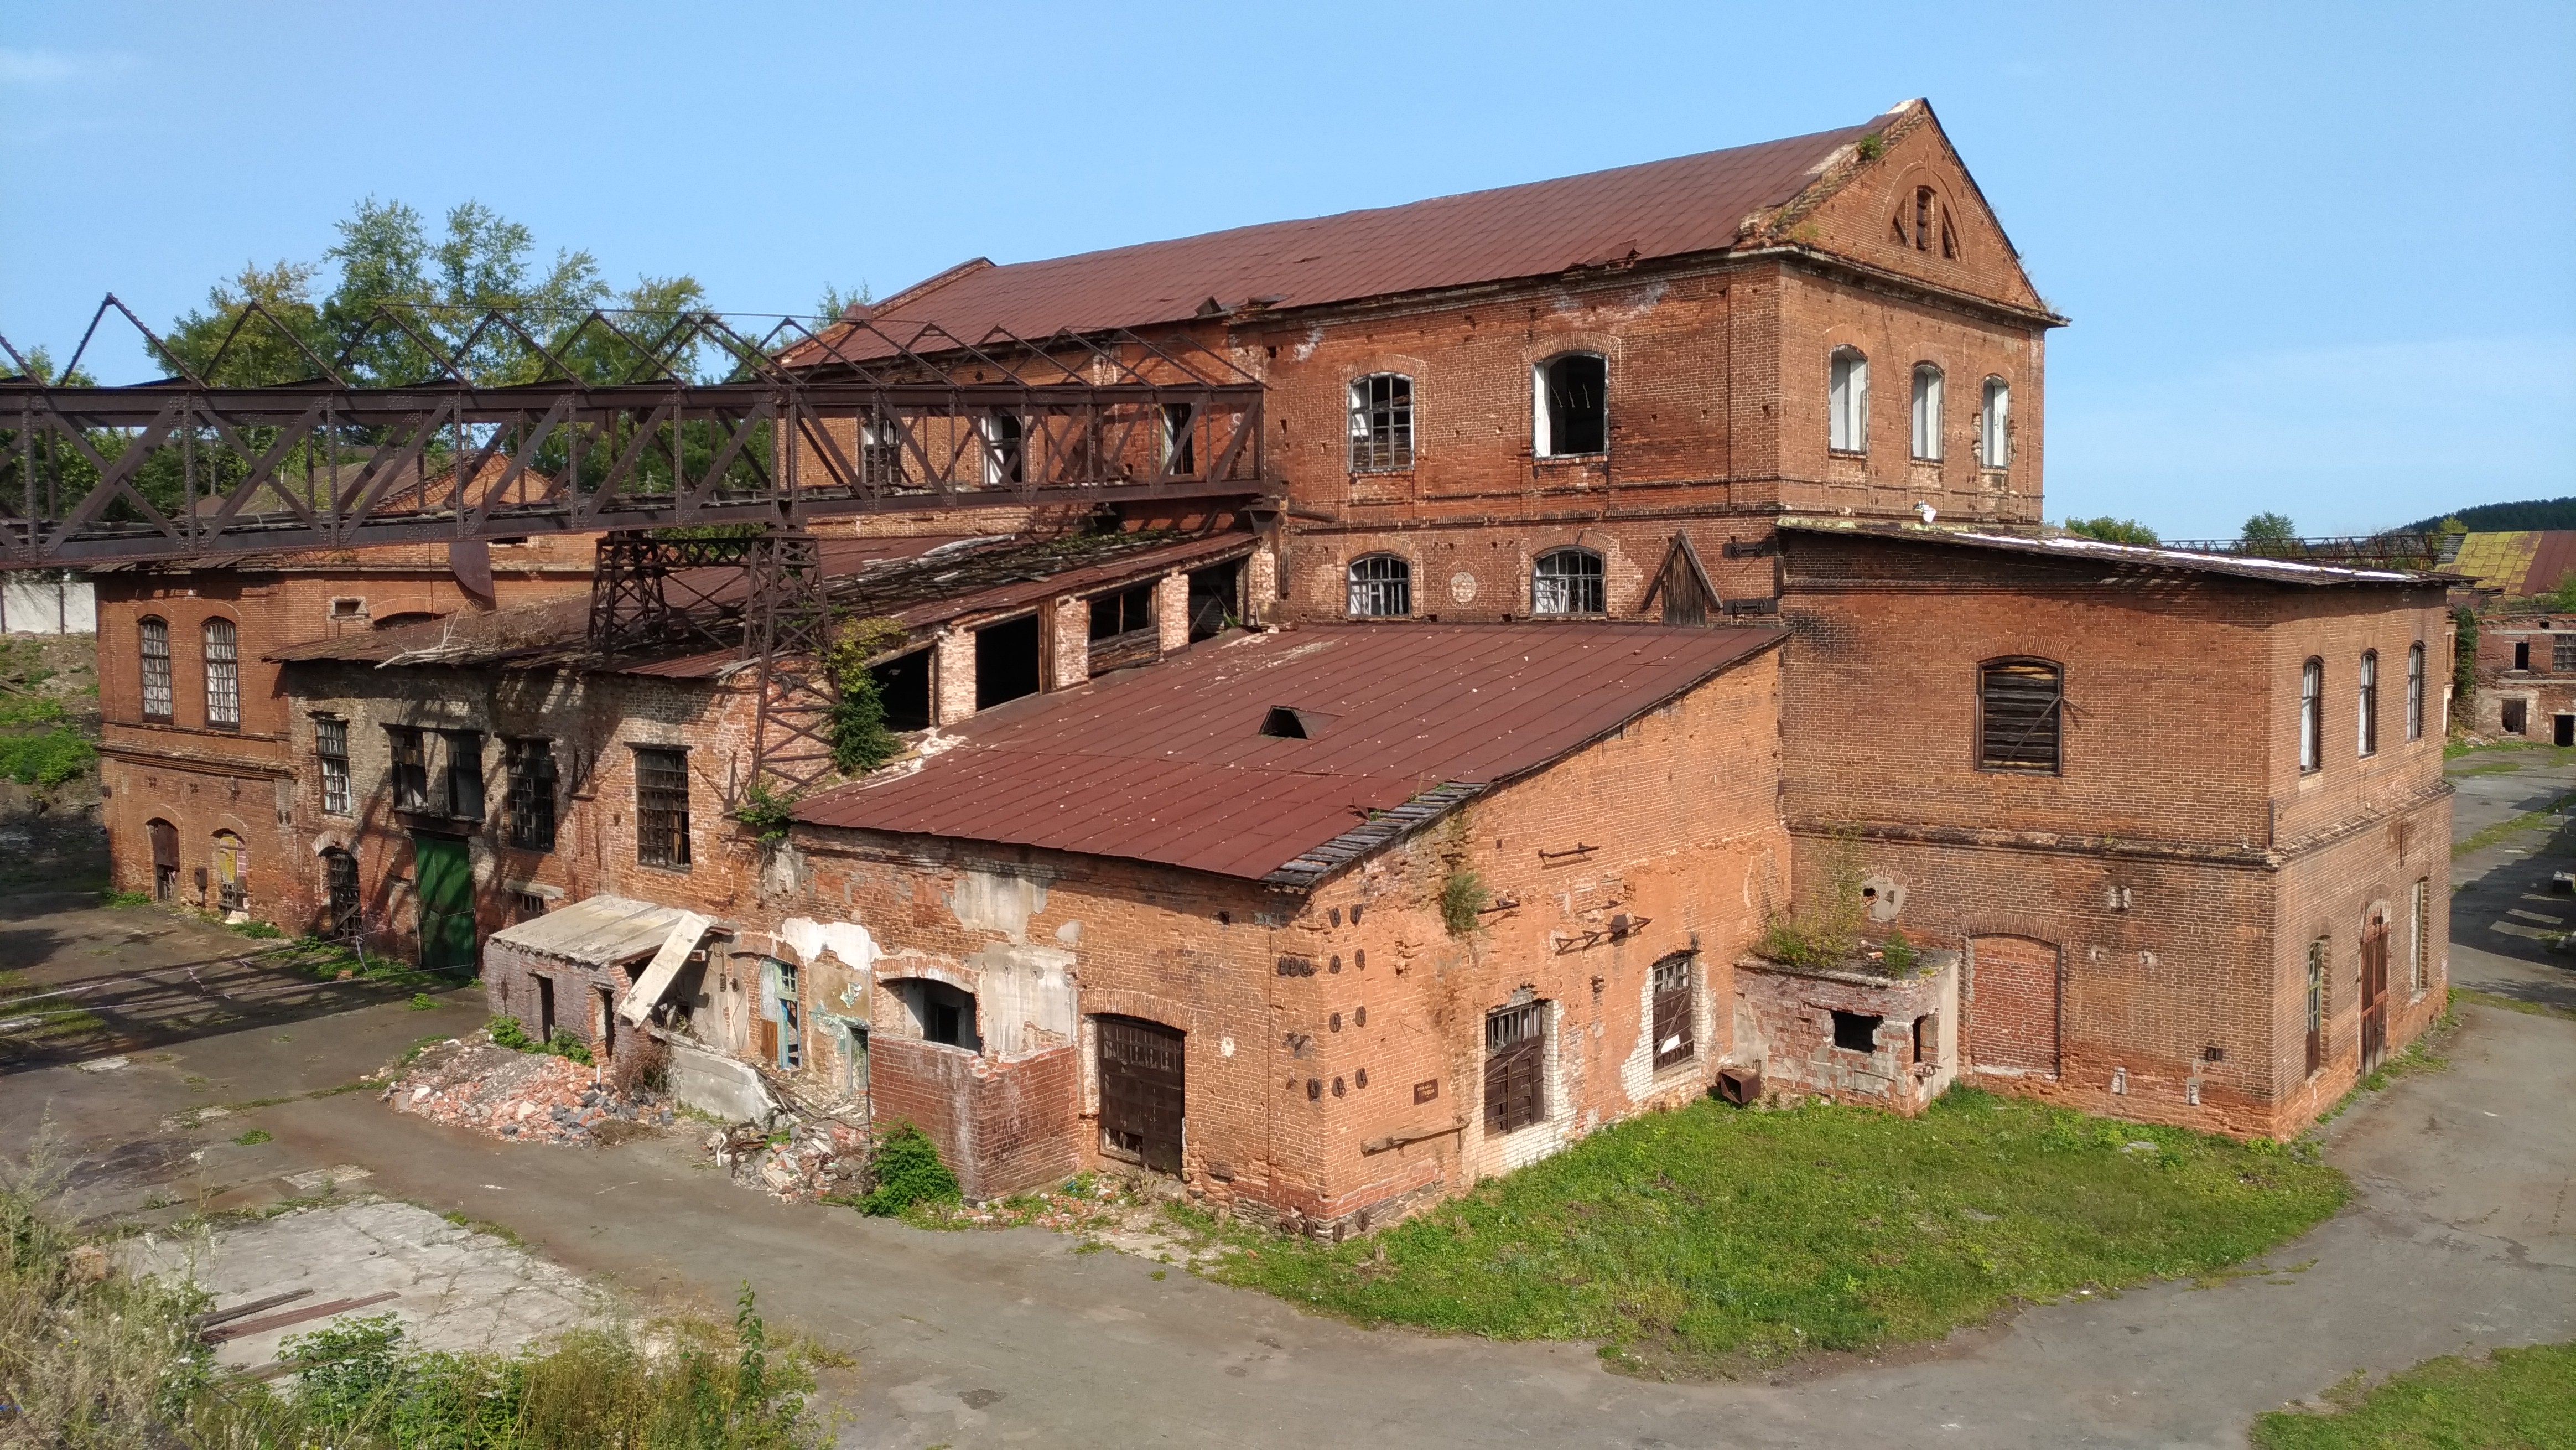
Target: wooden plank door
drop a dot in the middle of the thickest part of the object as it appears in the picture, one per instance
(2374, 995)
(1141, 1100)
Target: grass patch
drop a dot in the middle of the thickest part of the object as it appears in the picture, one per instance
(2460, 995)
(2520, 1399)
(114, 897)
(1695, 1239)
(253, 1138)
(2529, 821)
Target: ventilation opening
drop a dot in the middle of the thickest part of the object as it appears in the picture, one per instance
(903, 684)
(1006, 662)
(1856, 1031)
(1215, 595)
(1283, 723)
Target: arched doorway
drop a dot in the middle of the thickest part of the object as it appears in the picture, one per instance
(2374, 990)
(232, 873)
(165, 860)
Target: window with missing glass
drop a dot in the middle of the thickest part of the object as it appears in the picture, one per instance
(2021, 710)
(464, 775)
(1381, 586)
(331, 747)
(1381, 423)
(223, 675)
(1573, 415)
(531, 764)
(662, 807)
(1671, 988)
(409, 770)
(1567, 581)
(154, 642)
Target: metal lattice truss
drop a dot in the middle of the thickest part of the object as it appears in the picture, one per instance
(427, 426)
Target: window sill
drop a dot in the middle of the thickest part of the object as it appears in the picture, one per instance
(1378, 618)
(1405, 472)
(678, 869)
(1852, 453)
(1565, 459)
(2024, 772)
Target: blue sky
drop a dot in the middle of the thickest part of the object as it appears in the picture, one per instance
(2320, 259)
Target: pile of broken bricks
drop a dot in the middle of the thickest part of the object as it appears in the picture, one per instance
(528, 1097)
(814, 1159)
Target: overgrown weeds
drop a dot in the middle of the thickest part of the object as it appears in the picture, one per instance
(908, 1172)
(1824, 932)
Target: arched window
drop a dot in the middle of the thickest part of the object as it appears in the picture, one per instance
(1567, 581)
(1927, 412)
(1381, 586)
(2366, 702)
(154, 637)
(340, 893)
(2021, 711)
(1381, 423)
(232, 872)
(165, 859)
(2415, 691)
(1994, 425)
(1573, 414)
(223, 675)
(2312, 718)
(1847, 402)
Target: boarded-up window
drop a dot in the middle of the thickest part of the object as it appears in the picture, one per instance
(2020, 709)
(662, 807)
(1672, 1010)
(1515, 1066)
(2014, 1005)
(155, 635)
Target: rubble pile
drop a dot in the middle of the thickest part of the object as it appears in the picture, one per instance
(529, 1097)
(805, 1160)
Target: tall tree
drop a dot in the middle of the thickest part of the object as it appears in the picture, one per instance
(2270, 528)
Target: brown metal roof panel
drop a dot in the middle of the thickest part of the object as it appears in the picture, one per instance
(2550, 562)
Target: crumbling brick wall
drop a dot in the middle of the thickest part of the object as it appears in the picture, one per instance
(1786, 1028)
(1001, 1127)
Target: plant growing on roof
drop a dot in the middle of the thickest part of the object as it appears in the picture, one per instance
(766, 812)
(860, 740)
(1871, 147)
(1826, 931)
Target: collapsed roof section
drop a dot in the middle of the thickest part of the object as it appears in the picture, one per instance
(1283, 757)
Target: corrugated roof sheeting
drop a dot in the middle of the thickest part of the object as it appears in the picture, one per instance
(597, 931)
(2076, 550)
(1170, 764)
(2498, 560)
(1658, 209)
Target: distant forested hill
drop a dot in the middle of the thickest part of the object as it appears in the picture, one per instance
(2543, 513)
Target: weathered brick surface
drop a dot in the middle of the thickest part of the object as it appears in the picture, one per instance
(1785, 1025)
(1001, 1126)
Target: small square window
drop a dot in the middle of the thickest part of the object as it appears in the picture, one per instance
(1856, 1031)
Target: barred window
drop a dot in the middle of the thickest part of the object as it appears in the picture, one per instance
(223, 675)
(1381, 423)
(1515, 1066)
(1567, 581)
(331, 745)
(662, 807)
(155, 644)
(531, 765)
(2021, 706)
(1672, 1009)
(1381, 586)
(410, 772)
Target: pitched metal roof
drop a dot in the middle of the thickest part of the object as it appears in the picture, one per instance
(1670, 208)
(2073, 549)
(2522, 562)
(597, 931)
(1170, 764)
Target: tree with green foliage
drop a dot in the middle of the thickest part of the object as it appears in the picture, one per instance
(2114, 531)
(2563, 596)
(2270, 529)
(860, 739)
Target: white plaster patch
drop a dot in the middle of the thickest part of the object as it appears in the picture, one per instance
(1070, 933)
(989, 901)
(1225, 1045)
(844, 939)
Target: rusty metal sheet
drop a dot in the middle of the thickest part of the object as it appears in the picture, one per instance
(2552, 556)
(1658, 209)
(1169, 764)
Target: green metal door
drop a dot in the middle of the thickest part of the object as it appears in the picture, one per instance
(446, 904)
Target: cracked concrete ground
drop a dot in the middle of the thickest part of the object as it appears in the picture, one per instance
(2461, 1237)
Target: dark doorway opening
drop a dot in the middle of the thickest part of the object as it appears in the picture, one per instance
(1216, 599)
(2517, 717)
(545, 1009)
(1140, 1092)
(2374, 994)
(2522, 654)
(2566, 729)
(903, 684)
(1006, 661)
(165, 861)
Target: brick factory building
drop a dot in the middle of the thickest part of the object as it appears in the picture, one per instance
(1550, 470)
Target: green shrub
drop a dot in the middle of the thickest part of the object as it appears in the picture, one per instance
(1899, 954)
(47, 758)
(908, 1171)
(29, 710)
(253, 1138)
(564, 1044)
(1462, 897)
(860, 740)
(508, 1032)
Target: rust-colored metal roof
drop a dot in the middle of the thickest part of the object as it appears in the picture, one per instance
(1169, 764)
(1632, 213)
(2069, 548)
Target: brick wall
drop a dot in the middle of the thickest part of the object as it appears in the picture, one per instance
(1002, 1127)
(1785, 1026)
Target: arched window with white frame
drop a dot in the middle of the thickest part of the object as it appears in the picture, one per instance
(1847, 401)
(1927, 413)
(1567, 581)
(1994, 425)
(1381, 586)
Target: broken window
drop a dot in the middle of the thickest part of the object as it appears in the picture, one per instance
(1003, 447)
(662, 807)
(2366, 704)
(2312, 718)
(2517, 717)
(410, 769)
(1567, 581)
(1381, 423)
(1847, 401)
(2021, 707)
(2562, 653)
(903, 686)
(1574, 405)
(1214, 595)
(331, 747)
(223, 675)
(1515, 1066)
(1856, 1031)
(464, 775)
(1125, 612)
(1006, 661)
(1994, 425)
(783, 1023)
(154, 635)
(2316, 1005)
(1671, 988)
(943, 1014)
(2415, 692)
(1180, 439)
(340, 891)
(531, 764)
(880, 449)
(1927, 413)
(1381, 586)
